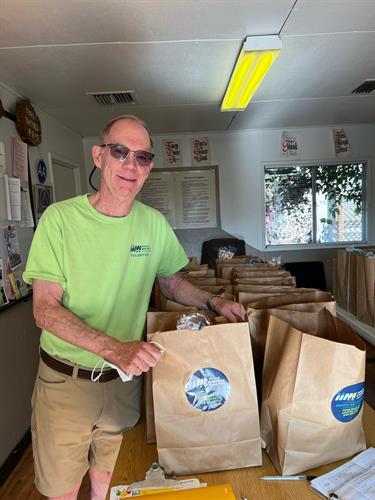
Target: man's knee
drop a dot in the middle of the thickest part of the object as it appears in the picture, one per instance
(72, 495)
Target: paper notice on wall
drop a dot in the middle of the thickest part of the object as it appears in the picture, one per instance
(27, 219)
(341, 143)
(289, 144)
(158, 192)
(195, 197)
(186, 198)
(200, 151)
(13, 197)
(3, 297)
(12, 247)
(20, 169)
(3, 165)
(172, 153)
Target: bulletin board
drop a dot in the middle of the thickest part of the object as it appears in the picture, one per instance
(17, 223)
(188, 197)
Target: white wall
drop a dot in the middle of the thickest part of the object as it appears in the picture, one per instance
(241, 156)
(19, 335)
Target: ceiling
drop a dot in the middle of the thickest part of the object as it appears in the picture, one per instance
(178, 56)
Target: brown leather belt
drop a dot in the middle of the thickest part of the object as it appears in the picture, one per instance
(62, 367)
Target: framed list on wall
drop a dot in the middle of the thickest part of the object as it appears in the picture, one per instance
(187, 197)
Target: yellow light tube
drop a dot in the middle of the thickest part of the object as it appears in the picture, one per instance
(249, 72)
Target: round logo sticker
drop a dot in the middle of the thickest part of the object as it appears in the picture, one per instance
(347, 403)
(41, 171)
(207, 389)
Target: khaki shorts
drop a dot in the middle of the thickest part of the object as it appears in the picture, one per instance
(76, 424)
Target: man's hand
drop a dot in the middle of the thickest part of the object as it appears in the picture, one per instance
(233, 311)
(136, 357)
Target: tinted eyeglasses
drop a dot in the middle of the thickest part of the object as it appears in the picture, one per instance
(121, 153)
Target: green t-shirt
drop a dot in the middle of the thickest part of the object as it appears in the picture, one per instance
(106, 266)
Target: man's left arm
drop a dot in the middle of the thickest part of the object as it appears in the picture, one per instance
(175, 288)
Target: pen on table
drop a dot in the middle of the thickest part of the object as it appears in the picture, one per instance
(288, 478)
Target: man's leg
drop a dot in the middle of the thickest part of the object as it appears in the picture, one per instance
(121, 410)
(64, 414)
(99, 483)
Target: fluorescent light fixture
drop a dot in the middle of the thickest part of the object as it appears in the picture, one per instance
(256, 57)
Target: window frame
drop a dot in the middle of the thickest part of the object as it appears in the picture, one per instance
(316, 163)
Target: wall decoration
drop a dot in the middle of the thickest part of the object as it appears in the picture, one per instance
(289, 144)
(28, 124)
(41, 171)
(172, 153)
(200, 151)
(340, 141)
(43, 198)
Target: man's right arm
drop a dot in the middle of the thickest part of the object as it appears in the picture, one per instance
(132, 357)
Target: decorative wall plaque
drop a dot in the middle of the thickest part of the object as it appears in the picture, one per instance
(28, 124)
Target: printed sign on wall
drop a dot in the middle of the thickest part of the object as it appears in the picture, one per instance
(200, 151)
(289, 144)
(172, 153)
(341, 144)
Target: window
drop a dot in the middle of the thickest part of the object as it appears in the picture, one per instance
(315, 204)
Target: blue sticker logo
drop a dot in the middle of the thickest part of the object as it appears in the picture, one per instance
(41, 171)
(207, 389)
(347, 403)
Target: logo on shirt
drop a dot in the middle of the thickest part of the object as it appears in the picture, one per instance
(140, 250)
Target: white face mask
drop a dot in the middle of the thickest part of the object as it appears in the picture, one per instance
(125, 377)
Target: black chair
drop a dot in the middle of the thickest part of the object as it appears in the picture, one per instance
(210, 249)
(308, 274)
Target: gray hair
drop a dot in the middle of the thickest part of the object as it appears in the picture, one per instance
(110, 124)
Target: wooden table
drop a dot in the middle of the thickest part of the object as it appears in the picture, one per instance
(136, 456)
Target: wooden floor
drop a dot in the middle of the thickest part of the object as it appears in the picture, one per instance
(20, 485)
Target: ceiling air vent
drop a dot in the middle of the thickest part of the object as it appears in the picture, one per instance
(115, 97)
(367, 87)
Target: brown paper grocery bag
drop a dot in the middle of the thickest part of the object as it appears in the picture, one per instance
(260, 273)
(365, 289)
(250, 293)
(352, 285)
(269, 281)
(227, 270)
(156, 321)
(313, 387)
(299, 309)
(342, 279)
(205, 403)
(160, 322)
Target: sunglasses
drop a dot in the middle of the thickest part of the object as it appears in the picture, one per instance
(121, 153)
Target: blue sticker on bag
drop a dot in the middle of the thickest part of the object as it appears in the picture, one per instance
(347, 403)
(207, 389)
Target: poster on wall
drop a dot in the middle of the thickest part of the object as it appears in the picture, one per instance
(3, 297)
(172, 153)
(341, 143)
(289, 144)
(19, 167)
(200, 151)
(158, 192)
(186, 197)
(195, 199)
(43, 198)
(12, 246)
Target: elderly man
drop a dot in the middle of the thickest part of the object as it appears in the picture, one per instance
(91, 291)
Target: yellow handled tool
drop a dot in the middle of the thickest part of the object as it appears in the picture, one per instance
(218, 492)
